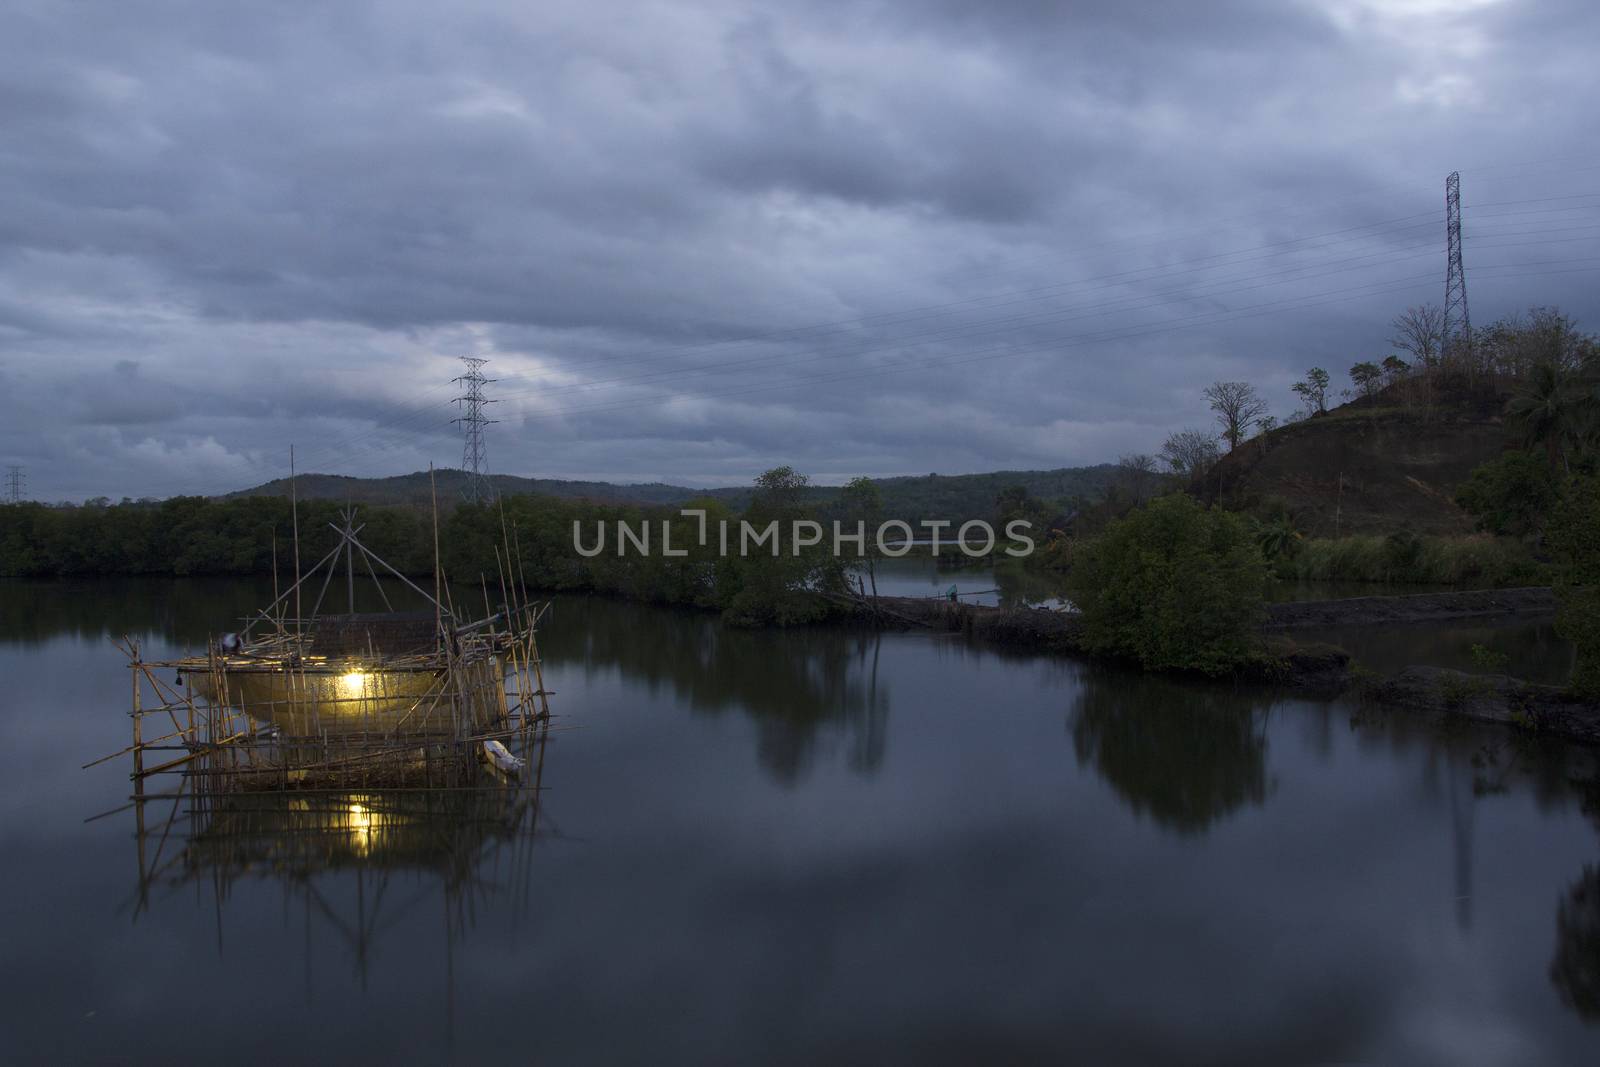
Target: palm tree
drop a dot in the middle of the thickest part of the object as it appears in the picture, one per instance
(1588, 420)
(1277, 537)
(1550, 408)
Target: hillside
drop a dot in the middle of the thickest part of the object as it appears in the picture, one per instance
(956, 497)
(1376, 465)
(415, 489)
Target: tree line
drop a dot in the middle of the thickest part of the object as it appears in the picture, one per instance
(530, 537)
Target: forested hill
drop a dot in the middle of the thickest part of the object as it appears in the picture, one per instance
(956, 497)
(417, 489)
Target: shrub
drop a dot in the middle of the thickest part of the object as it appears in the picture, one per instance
(1574, 538)
(1173, 585)
(1511, 494)
(1405, 558)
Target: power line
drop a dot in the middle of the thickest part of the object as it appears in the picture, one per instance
(474, 456)
(16, 480)
(1259, 255)
(1042, 317)
(1457, 322)
(895, 318)
(417, 418)
(1002, 351)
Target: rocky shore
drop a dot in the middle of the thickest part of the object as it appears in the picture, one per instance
(1542, 710)
(1531, 602)
(1053, 630)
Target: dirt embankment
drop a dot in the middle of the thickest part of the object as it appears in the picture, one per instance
(1373, 466)
(1532, 602)
(1542, 710)
(1046, 629)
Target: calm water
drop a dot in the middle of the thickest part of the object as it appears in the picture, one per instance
(806, 847)
(1003, 581)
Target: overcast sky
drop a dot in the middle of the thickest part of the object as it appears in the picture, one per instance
(698, 239)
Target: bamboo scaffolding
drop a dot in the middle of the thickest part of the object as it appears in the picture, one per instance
(297, 725)
(279, 767)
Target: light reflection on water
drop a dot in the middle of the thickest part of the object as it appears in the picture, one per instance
(824, 844)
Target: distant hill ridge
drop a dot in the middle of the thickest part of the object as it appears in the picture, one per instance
(956, 497)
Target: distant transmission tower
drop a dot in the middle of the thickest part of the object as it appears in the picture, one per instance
(474, 457)
(15, 480)
(1457, 323)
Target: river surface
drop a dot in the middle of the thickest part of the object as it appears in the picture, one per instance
(998, 580)
(804, 847)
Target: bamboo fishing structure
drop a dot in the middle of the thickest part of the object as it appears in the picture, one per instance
(373, 742)
(350, 700)
(370, 743)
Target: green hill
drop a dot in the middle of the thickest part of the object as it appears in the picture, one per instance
(956, 497)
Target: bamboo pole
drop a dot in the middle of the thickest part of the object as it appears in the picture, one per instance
(294, 511)
(438, 582)
(275, 594)
(138, 725)
(350, 562)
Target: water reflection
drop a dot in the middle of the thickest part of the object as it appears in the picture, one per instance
(1003, 580)
(474, 844)
(1575, 970)
(698, 908)
(1575, 966)
(1187, 755)
(793, 684)
(1526, 648)
(181, 611)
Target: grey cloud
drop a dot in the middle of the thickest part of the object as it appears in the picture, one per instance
(1014, 222)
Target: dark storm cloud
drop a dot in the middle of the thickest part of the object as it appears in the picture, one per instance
(700, 239)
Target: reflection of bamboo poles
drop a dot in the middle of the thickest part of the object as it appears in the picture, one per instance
(138, 725)
(415, 726)
(473, 837)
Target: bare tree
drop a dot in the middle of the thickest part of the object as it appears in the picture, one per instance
(1420, 331)
(1237, 405)
(1190, 452)
(1138, 471)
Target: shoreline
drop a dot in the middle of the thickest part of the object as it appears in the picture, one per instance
(1434, 692)
(1307, 667)
(1054, 628)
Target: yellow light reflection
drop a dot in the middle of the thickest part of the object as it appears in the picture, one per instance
(353, 685)
(360, 827)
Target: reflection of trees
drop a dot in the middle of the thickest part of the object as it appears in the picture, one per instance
(1019, 586)
(794, 684)
(1186, 754)
(180, 610)
(1575, 970)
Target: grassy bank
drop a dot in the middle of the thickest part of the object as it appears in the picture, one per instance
(1480, 560)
